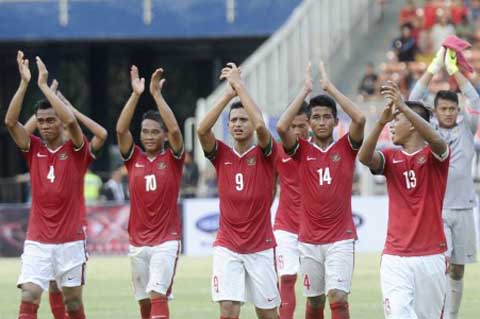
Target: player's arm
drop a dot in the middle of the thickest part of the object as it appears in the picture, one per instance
(289, 140)
(471, 94)
(174, 133)
(100, 134)
(63, 112)
(357, 126)
(438, 146)
(232, 74)
(31, 124)
(17, 131)
(204, 128)
(367, 154)
(124, 136)
(420, 90)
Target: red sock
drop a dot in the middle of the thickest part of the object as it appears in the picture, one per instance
(56, 305)
(340, 310)
(287, 295)
(76, 314)
(145, 309)
(28, 310)
(159, 308)
(313, 313)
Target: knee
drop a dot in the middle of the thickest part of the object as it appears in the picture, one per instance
(457, 271)
(267, 313)
(31, 293)
(336, 295)
(53, 288)
(316, 302)
(230, 309)
(73, 303)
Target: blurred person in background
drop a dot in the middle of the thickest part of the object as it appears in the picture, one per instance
(405, 46)
(369, 83)
(190, 177)
(113, 189)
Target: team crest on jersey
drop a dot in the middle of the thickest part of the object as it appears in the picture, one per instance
(421, 159)
(63, 156)
(251, 161)
(162, 165)
(335, 157)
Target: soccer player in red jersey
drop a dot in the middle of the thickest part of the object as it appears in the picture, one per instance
(413, 268)
(287, 218)
(55, 295)
(154, 176)
(243, 254)
(55, 246)
(327, 232)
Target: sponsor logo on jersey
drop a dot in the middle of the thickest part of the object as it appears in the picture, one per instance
(139, 165)
(251, 161)
(41, 155)
(335, 157)
(397, 161)
(311, 158)
(284, 160)
(162, 165)
(63, 156)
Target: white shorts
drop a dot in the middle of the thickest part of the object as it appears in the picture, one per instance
(413, 287)
(288, 253)
(245, 277)
(326, 267)
(459, 226)
(153, 268)
(64, 263)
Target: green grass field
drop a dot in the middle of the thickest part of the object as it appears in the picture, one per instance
(108, 293)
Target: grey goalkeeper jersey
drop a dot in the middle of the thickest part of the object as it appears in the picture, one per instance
(460, 191)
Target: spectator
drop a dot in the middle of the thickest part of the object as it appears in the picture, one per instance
(458, 11)
(189, 177)
(92, 187)
(429, 14)
(408, 13)
(465, 29)
(441, 30)
(474, 9)
(113, 190)
(368, 85)
(405, 46)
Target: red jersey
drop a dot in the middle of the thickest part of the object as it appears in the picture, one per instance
(58, 204)
(327, 178)
(154, 185)
(290, 202)
(416, 186)
(245, 188)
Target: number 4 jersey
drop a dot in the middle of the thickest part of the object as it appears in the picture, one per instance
(245, 186)
(326, 186)
(58, 205)
(154, 185)
(416, 187)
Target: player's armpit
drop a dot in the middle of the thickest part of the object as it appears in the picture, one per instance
(355, 145)
(267, 151)
(212, 154)
(128, 155)
(377, 165)
(293, 150)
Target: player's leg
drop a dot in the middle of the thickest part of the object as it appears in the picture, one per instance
(55, 298)
(339, 262)
(448, 221)
(430, 285)
(71, 259)
(288, 265)
(139, 262)
(228, 282)
(313, 276)
(37, 269)
(261, 283)
(162, 267)
(398, 287)
(464, 251)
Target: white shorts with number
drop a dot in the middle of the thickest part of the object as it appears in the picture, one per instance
(245, 277)
(64, 263)
(326, 267)
(288, 253)
(459, 226)
(413, 287)
(153, 268)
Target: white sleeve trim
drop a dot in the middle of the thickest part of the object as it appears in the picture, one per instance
(179, 156)
(92, 154)
(129, 156)
(80, 147)
(442, 157)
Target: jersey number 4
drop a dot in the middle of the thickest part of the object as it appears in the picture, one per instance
(51, 174)
(324, 176)
(410, 179)
(150, 183)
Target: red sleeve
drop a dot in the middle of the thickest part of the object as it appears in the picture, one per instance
(387, 155)
(132, 156)
(32, 148)
(220, 149)
(299, 149)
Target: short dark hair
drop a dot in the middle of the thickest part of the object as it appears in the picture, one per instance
(420, 109)
(233, 106)
(154, 115)
(304, 109)
(324, 101)
(445, 95)
(42, 105)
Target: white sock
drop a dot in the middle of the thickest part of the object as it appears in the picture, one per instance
(456, 293)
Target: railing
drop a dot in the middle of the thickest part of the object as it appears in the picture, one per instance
(317, 29)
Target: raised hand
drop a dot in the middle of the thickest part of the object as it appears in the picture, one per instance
(308, 81)
(42, 73)
(387, 114)
(231, 73)
(138, 84)
(156, 82)
(391, 93)
(23, 68)
(324, 79)
(54, 86)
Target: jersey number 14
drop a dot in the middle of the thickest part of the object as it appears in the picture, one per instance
(324, 176)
